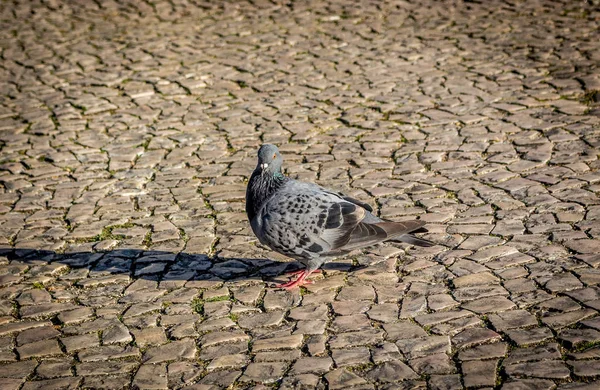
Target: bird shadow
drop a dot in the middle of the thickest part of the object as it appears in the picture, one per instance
(151, 265)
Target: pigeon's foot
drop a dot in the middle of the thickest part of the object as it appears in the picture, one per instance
(300, 281)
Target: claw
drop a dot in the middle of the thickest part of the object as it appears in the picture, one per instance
(301, 280)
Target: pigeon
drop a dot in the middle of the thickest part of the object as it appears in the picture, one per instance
(312, 224)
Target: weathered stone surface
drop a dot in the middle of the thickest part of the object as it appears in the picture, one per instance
(285, 342)
(586, 368)
(221, 378)
(575, 338)
(474, 336)
(183, 373)
(351, 322)
(149, 336)
(108, 352)
(151, 376)
(53, 368)
(529, 384)
(424, 346)
(258, 320)
(278, 356)
(355, 339)
(548, 351)
(356, 293)
(385, 352)
(36, 334)
(489, 305)
(478, 373)
(512, 319)
(263, 372)
(60, 383)
(529, 336)
(484, 278)
(448, 382)
(438, 363)
(316, 365)
(12, 327)
(106, 368)
(10, 384)
(392, 371)
(342, 378)
(316, 312)
(486, 351)
(214, 351)
(551, 369)
(351, 356)
(182, 349)
(403, 330)
(303, 381)
(39, 349)
(385, 312)
(228, 361)
(561, 320)
(18, 370)
(113, 382)
(215, 338)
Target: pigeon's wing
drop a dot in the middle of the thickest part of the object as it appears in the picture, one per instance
(337, 194)
(341, 220)
(307, 222)
(349, 226)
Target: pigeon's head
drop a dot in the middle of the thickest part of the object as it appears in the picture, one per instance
(269, 159)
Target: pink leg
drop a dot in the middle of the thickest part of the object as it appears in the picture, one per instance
(301, 280)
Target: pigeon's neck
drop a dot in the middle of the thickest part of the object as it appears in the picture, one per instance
(261, 187)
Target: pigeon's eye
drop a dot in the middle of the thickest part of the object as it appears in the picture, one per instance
(274, 156)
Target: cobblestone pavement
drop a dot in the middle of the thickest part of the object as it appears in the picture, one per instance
(128, 129)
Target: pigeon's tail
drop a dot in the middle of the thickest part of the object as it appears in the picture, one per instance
(410, 239)
(398, 231)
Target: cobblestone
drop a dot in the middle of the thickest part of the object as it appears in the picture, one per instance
(128, 130)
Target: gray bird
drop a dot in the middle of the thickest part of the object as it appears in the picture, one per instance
(310, 223)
